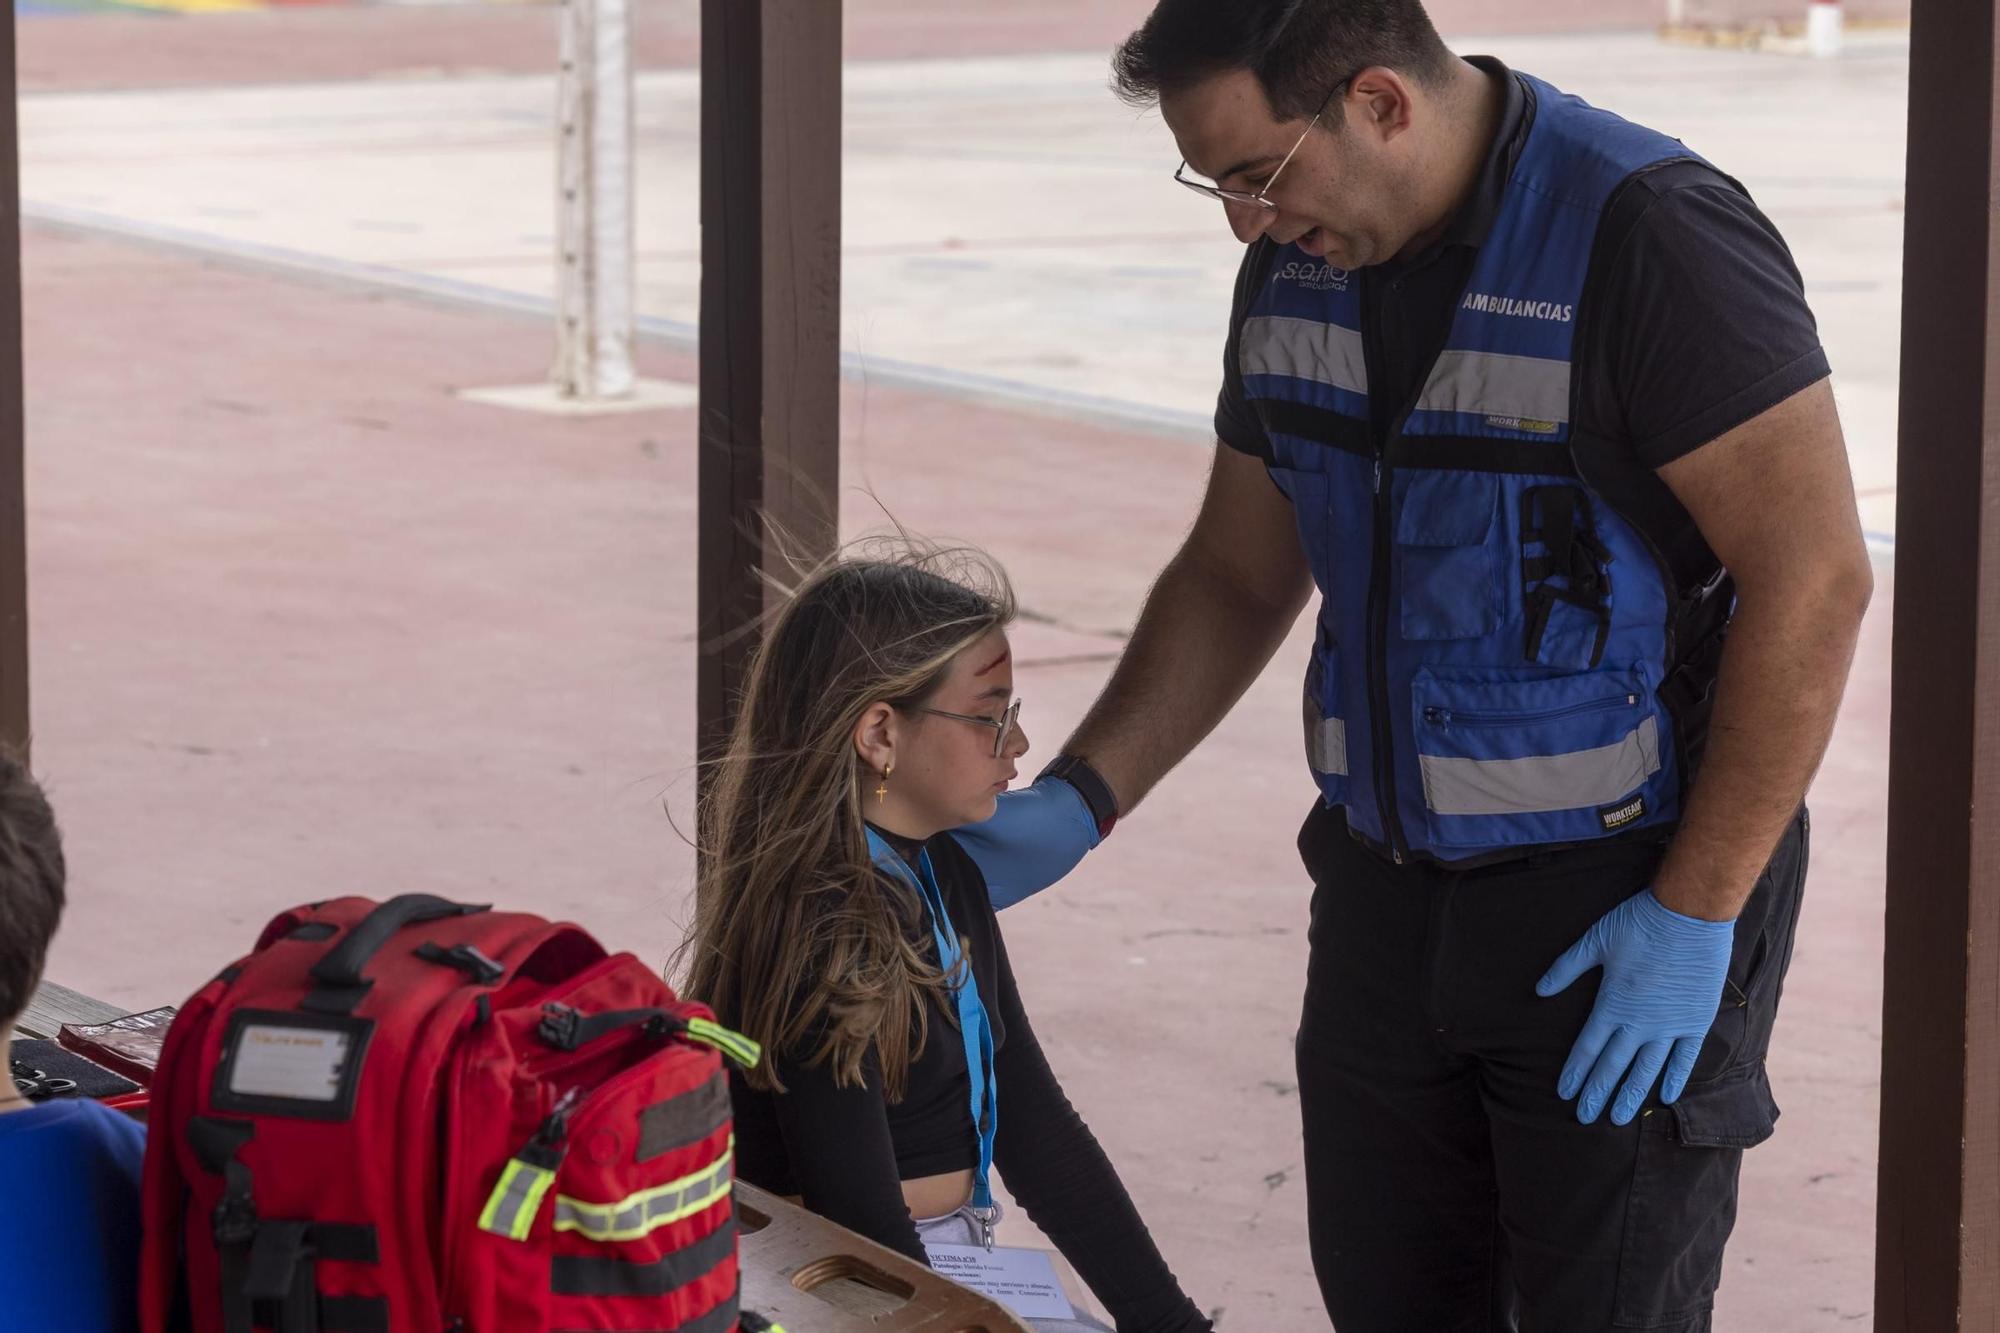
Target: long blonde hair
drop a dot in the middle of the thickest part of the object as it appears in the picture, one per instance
(798, 941)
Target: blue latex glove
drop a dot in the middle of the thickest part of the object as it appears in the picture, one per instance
(1036, 836)
(1663, 975)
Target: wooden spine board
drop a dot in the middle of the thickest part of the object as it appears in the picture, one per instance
(790, 1251)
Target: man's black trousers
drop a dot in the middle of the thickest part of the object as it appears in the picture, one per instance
(1449, 1189)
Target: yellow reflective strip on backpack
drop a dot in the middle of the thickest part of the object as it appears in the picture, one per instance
(510, 1210)
(637, 1215)
(735, 1045)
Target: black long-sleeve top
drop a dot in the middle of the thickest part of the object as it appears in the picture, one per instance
(846, 1150)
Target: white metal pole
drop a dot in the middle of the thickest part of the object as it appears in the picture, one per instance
(1823, 27)
(594, 202)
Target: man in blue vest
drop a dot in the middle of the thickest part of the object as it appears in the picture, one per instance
(1531, 396)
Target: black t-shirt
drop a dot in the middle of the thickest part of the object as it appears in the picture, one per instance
(846, 1150)
(1700, 324)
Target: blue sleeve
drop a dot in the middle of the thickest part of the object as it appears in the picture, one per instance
(1036, 836)
(126, 1140)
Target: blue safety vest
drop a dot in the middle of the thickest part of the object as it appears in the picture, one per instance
(1496, 640)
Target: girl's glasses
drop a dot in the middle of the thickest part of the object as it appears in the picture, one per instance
(1002, 725)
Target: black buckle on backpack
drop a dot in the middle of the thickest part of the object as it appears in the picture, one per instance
(466, 958)
(566, 1029)
(235, 1220)
(561, 1027)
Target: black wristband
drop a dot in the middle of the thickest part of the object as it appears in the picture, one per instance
(1090, 785)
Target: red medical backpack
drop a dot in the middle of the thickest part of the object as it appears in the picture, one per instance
(424, 1117)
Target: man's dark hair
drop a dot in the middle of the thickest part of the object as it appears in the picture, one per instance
(31, 884)
(1298, 49)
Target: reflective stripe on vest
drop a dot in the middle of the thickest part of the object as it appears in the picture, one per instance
(1493, 634)
(1326, 741)
(1304, 349)
(1498, 385)
(1543, 782)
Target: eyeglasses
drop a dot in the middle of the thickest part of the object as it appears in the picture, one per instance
(1258, 200)
(1002, 725)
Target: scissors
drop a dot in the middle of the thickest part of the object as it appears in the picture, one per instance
(35, 1085)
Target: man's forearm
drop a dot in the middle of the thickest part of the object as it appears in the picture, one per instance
(1779, 691)
(1202, 638)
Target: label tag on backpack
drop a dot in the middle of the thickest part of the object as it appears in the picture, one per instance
(292, 1064)
(303, 1064)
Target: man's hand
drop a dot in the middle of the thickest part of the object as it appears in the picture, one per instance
(1663, 975)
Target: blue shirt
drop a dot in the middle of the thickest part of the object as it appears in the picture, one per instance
(69, 1217)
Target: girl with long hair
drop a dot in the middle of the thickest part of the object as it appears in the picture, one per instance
(840, 922)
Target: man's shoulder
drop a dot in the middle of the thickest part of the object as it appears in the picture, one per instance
(1681, 175)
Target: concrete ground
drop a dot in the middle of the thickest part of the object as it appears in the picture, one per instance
(306, 623)
(1010, 228)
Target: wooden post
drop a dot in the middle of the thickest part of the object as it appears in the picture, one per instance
(770, 318)
(13, 499)
(1937, 1265)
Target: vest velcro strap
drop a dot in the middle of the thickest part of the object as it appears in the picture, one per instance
(1574, 567)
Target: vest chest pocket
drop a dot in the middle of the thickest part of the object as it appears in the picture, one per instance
(1555, 759)
(1448, 568)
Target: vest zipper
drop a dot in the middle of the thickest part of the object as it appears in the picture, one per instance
(1378, 668)
(1445, 717)
(1379, 730)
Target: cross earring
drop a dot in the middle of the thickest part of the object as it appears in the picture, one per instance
(882, 792)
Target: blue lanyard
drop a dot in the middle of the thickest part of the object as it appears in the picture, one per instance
(972, 1021)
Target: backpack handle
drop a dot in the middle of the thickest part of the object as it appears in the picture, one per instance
(567, 1029)
(340, 968)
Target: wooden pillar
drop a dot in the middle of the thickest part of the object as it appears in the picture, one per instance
(13, 505)
(1937, 1267)
(770, 318)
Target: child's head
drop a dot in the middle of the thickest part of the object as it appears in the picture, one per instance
(854, 678)
(861, 690)
(31, 886)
